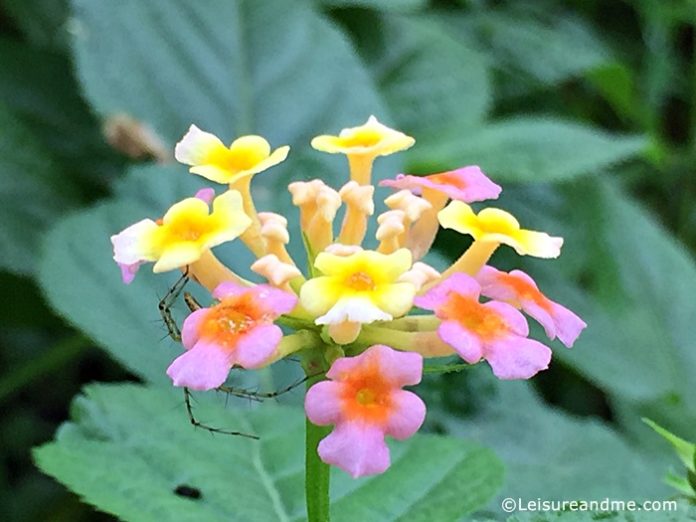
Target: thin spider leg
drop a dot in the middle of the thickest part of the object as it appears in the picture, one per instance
(191, 302)
(197, 424)
(241, 392)
(165, 306)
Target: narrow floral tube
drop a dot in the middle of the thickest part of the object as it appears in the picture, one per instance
(239, 330)
(520, 290)
(363, 399)
(494, 331)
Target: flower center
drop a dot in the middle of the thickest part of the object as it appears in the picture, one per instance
(225, 322)
(475, 317)
(365, 396)
(187, 231)
(360, 282)
(364, 138)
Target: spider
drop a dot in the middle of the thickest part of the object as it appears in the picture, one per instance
(165, 308)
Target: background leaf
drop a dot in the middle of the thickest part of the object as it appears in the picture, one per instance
(128, 449)
(547, 454)
(434, 84)
(46, 98)
(531, 45)
(32, 194)
(530, 150)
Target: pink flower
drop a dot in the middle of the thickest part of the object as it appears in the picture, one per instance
(365, 402)
(520, 290)
(239, 330)
(493, 331)
(466, 184)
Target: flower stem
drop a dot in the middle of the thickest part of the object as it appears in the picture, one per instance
(316, 472)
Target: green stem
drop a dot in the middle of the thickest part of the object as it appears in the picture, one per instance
(316, 472)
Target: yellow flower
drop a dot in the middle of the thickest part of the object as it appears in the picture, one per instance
(210, 158)
(493, 225)
(362, 145)
(359, 288)
(183, 235)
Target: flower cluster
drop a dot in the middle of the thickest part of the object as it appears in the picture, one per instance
(354, 300)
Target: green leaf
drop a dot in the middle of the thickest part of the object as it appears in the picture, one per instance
(532, 46)
(128, 448)
(34, 194)
(44, 22)
(434, 84)
(380, 5)
(685, 450)
(231, 67)
(549, 454)
(530, 149)
(46, 98)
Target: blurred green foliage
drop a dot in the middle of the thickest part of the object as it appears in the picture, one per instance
(585, 111)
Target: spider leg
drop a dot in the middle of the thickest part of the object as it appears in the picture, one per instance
(165, 306)
(197, 424)
(259, 396)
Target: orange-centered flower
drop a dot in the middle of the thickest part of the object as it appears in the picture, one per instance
(238, 330)
(364, 399)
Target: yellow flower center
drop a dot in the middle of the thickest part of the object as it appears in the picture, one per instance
(365, 396)
(236, 160)
(360, 282)
(362, 138)
(187, 231)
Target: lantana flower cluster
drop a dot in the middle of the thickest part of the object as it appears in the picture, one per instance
(350, 310)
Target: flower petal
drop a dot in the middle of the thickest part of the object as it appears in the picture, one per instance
(229, 289)
(133, 244)
(128, 271)
(537, 244)
(513, 318)
(204, 367)
(517, 357)
(191, 327)
(568, 324)
(396, 299)
(323, 403)
(319, 294)
(354, 309)
(459, 283)
(206, 194)
(408, 414)
(177, 255)
(256, 347)
(274, 300)
(357, 449)
(400, 368)
(466, 343)
(196, 146)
